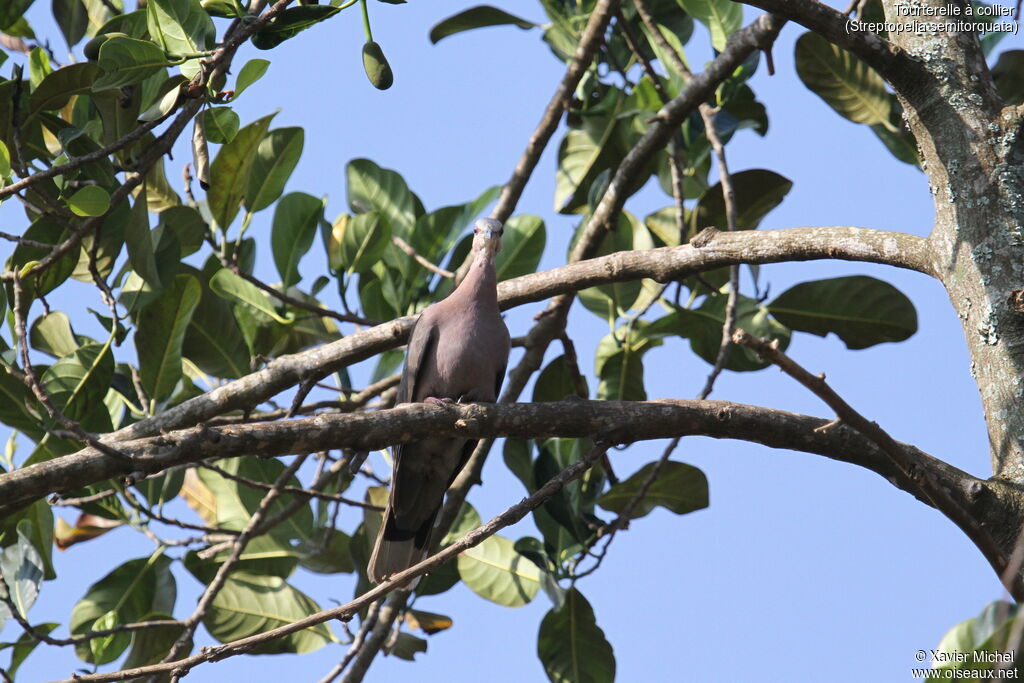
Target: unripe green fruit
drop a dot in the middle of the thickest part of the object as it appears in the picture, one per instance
(376, 65)
(92, 48)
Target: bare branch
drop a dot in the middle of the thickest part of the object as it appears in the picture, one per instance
(934, 491)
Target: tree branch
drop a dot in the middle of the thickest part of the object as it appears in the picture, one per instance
(612, 421)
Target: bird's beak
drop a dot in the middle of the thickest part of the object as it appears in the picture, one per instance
(488, 233)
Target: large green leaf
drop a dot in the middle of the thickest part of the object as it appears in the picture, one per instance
(151, 645)
(77, 383)
(476, 17)
(220, 124)
(980, 644)
(522, 244)
(22, 569)
(127, 594)
(679, 487)
(860, 310)
(59, 87)
(250, 604)
(372, 188)
(555, 382)
(722, 17)
(47, 231)
(618, 363)
(230, 170)
(161, 330)
(571, 645)
(73, 19)
(756, 191)
(703, 326)
(52, 334)
(232, 287)
(91, 200)
(496, 572)
(290, 22)
(39, 519)
(296, 219)
(262, 555)
(276, 157)
(127, 61)
(139, 240)
(1008, 75)
(851, 87)
(611, 301)
(359, 241)
(180, 26)
(11, 11)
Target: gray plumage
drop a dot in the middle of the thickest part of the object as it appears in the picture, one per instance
(457, 352)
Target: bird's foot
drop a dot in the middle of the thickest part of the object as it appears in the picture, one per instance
(444, 401)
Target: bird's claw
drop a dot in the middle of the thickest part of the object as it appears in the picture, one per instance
(443, 401)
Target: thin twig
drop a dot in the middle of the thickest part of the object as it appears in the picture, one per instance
(238, 547)
(407, 248)
(217, 652)
(937, 495)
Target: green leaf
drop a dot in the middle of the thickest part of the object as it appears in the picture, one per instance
(57, 89)
(296, 219)
(329, 554)
(161, 329)
(213, 340)
(47, 231)
(372, 188)
(250, 73)
(73, 19)
(11, 11)
(250, 604)
(221, 124)
(571, 645)
(78, 382)
(611, 301)
(127, 594)
(22, 568)
(263, 555)
(25, 644)
(980, 644)
(166, 99)
(851, 87)
(362, 240)
(618, 362)
(679, 487)
(276, 157)
(860, 310)
(187, 226)
(39, 519)
(227, 285)
(704, 328)
(722, 17)
(52, 334)
(126, 61)
(5, 162)
(139, 240)
(556, 381)
(1008, 75)
(405, 646)
(91, 200)
(150, 645)
(180, 26)
(290, 22)
(496, 572)
(229, 172)
(476, 17)
(522, 245)
(757, 191)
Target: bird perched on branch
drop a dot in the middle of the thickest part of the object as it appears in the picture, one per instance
(457, 352)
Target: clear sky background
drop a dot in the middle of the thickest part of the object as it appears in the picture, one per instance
(802, 569)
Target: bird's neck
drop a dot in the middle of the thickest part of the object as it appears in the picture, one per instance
(481, 282)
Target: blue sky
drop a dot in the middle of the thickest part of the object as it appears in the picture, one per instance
(802, 569)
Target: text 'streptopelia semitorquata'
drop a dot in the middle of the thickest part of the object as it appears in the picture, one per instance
(457, 351)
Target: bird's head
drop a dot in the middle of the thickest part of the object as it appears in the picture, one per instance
(487, 236)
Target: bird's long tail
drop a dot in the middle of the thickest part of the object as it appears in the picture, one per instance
(398, 549)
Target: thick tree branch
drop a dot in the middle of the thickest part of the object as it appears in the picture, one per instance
(611, 421)
(668, 264)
